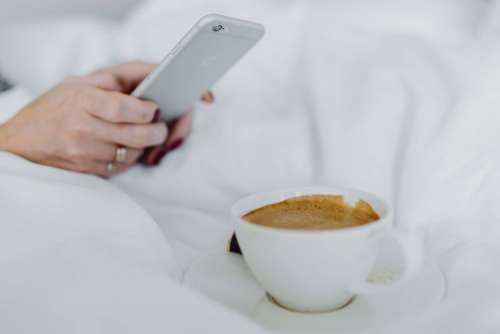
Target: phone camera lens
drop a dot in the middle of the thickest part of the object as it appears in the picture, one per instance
(218, 28)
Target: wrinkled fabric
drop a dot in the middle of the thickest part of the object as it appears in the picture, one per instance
(398, 98)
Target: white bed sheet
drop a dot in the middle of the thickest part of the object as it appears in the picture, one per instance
(401, 103)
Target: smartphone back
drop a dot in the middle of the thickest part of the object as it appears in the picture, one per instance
(203, 56)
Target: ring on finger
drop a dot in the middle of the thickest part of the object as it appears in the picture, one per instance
(121, 154)
(110, 167)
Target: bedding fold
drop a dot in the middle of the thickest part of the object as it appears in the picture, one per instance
(402, 103)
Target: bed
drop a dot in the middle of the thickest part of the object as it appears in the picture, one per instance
(395, 97)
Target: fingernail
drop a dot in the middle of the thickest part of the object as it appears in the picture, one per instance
(154, 157)
(208, 97)
(211, 96)
(150, 155)
(144, 158)
(157, 158)
(156, 117)
(175, 144)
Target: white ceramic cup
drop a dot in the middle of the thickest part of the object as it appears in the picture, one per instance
(322, 270)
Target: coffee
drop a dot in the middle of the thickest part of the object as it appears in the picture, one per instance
(313, 212)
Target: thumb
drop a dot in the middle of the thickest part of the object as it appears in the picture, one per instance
(123, 78)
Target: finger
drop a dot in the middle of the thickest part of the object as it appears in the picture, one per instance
(108, 169)
(99, 168)
(120, 108)
(98, 150)
(208, 97)
(132, 156)
(106, 152)
(137, 136)
(179, 130)
(153, 155)
(104, 170)
(123, 78)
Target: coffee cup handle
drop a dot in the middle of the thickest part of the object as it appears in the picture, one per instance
(410, 248)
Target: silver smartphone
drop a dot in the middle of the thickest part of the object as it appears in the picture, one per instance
(212, 46)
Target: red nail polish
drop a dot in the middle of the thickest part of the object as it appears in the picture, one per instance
(151, 156)
(157, 159)
(156, 117)
(175, 144)
(154, 156)
(144, 159)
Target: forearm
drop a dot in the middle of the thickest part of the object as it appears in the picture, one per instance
(11, 102)
(4, 138)
(12, 139)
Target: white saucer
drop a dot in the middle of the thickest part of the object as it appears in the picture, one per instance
(226, 279)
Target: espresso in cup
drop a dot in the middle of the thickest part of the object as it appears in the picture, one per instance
(313, 212)
(313, 251)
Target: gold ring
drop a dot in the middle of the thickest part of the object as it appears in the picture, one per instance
(121, 154)
(110, 167)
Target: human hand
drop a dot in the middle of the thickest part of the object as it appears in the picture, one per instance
(81, 123)
(178, 131)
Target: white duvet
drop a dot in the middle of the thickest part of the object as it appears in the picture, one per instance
(399, 98)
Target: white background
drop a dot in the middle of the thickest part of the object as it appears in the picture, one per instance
(23, 9)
